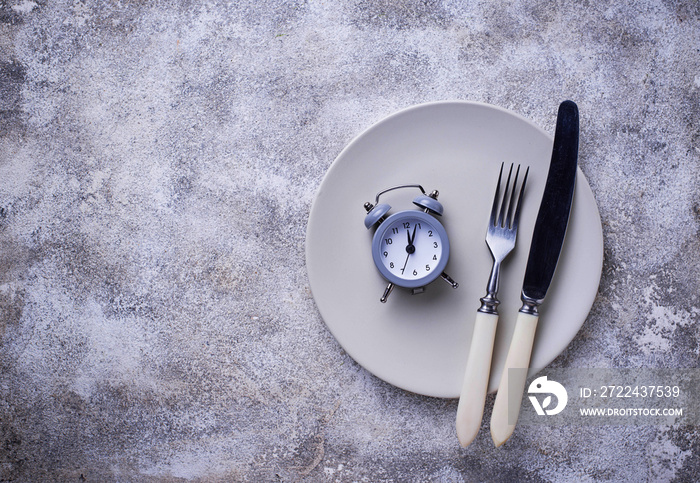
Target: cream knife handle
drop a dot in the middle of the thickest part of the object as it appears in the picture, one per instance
(470, 410)
(518, 357)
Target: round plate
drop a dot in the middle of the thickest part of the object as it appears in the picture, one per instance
(420, 342)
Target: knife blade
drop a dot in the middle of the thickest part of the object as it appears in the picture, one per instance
(547, 240)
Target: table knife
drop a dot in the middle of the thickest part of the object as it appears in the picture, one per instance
(547, 240)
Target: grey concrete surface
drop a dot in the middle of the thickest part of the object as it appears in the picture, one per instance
(158, 162)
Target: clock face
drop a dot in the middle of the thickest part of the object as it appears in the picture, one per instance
(410, 248)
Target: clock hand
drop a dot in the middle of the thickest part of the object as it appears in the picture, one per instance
(410, 248)
(407, 257)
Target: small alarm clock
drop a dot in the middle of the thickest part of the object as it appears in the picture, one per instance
(410, 248)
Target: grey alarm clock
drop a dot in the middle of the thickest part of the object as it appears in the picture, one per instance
(410, 248)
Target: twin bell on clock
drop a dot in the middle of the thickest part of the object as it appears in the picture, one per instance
(410, 248)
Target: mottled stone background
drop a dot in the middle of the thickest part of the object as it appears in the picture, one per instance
(158, 162)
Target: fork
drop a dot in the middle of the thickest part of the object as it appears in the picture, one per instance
(500, 238)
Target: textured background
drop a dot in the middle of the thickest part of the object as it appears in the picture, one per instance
(158, 162)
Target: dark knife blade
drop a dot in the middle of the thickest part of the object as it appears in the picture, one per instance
(553, 217)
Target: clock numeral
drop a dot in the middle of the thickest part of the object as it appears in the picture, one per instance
(386, 254)
(434, 256)
(430, 232)
(406, 225)
(391, 265)
(435, 245)
(394, 231)
(427, 268)
(388, 241)
(415, 272)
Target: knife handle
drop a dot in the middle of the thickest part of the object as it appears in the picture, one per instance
(470, 410)
(518, 357)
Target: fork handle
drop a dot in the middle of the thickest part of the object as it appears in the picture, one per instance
(518, 358)
(476, 378)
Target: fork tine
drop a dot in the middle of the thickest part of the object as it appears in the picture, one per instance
(494, 208)
(502, 220)
(508, 223)
(516, 217)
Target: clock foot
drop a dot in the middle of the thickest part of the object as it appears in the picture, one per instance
(387, 291)
(417, 290)
(449, 280)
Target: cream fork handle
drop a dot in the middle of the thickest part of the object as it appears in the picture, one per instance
(518, 357)
(470, 410)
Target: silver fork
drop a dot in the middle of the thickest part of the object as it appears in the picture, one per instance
(500, 238)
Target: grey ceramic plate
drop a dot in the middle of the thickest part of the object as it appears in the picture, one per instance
(420, 343)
